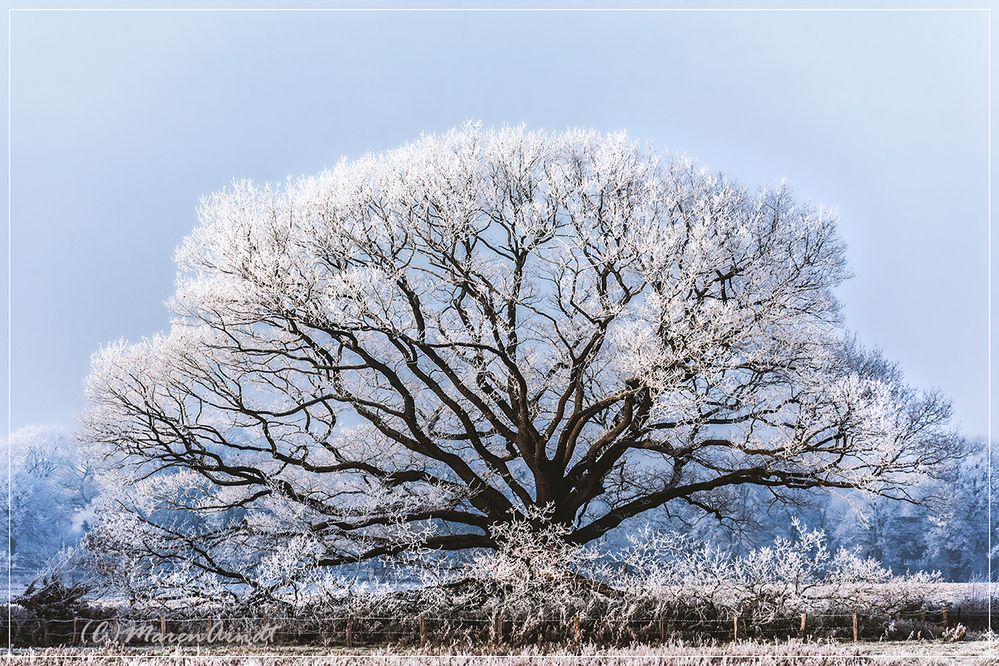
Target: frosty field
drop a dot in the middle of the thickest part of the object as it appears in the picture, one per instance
(769, 654)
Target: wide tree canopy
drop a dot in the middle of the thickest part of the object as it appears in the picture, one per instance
(414, 347)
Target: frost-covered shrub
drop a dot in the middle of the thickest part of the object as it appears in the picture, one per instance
(775, 582)
(542, 583)
(545, 587)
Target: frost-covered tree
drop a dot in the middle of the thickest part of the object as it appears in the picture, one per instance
(946, 529)
(53, 481)
(415, 348)
(957, 534)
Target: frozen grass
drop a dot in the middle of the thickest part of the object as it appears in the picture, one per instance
(787, 653)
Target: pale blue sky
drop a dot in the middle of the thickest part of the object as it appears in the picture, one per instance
(120, 121)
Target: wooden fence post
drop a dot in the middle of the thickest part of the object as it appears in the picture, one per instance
(423, 630)
(162, 625)
(577, 630)
(735, 628)
(804, 621)
(945, 618)
(662, 630)
(498, 629)
(922, 615)
(854, 626)
(45, 632)
(73, 639)
(350, 632)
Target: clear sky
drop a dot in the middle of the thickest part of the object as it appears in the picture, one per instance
(120, 121)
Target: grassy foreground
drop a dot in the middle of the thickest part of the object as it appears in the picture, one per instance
(783, 653)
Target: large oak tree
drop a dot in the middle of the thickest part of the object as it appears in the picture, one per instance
(414, 347)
